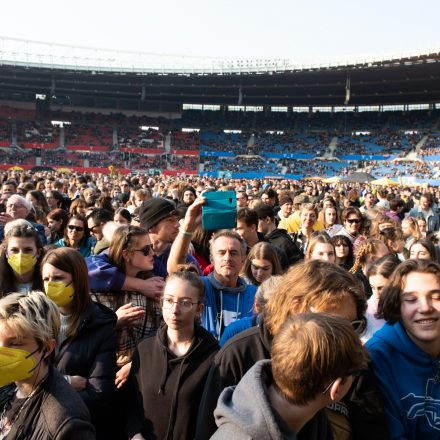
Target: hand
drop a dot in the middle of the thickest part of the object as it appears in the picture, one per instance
(128, 315)
(175, 193)
(79, 383)
(122, 375)
(153, 287)
(5, 218)
(138, 436)
(193, 216)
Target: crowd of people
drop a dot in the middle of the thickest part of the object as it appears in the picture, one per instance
(124, 315)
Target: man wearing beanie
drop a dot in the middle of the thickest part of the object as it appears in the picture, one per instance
(159, 217)
(286, 206)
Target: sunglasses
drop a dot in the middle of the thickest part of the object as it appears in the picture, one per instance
(353, 220)
(145, 250)
(75, 228)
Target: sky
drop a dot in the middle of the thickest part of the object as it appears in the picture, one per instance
(302, 31)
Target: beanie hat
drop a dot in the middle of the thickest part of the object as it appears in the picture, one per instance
(154, 210)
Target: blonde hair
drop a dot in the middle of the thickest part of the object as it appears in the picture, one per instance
(369, 247)
(312, 284)
(31, 314)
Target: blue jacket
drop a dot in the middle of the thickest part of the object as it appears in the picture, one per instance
(237, 327)
(224, 305)
(105, 277)
(85, 249)
(406, 377)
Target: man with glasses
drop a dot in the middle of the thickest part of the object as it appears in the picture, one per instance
(242, 199)
(314, 360)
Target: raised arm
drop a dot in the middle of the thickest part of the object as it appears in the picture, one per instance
(179, 249)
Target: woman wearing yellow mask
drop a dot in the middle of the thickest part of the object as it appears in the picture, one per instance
(20, 256)
(36, 402)
(86, 345)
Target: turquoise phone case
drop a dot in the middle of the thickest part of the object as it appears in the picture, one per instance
(219, 210)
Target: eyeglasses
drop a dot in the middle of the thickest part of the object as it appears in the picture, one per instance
(185, 304)
(145, 250)
(358, 326)
(353, 220)
(75, 228)
(353, 374)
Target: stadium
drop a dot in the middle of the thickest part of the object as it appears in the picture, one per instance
(72, 108)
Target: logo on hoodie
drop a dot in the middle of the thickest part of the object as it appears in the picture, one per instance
(424, 406)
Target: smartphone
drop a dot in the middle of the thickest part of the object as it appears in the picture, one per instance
(219, 210)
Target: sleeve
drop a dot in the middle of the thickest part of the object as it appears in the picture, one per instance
(75, 429)
(134, 415)
(386, 376)
(103, 276)
(101, 381)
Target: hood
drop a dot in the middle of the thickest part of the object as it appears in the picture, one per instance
(241, 285)
(247, 406)
(203, 342)
(276, 233)
(266, 337)
(396, 337)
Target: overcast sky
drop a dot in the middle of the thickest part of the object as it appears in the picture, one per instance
(304, 31)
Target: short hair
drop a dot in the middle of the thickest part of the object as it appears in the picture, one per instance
(249, 216)
(309, 207)
(315, 238)
(349, 211)
(228, 234)
(10, 182)
(261, 251)
(313, 283)
(396, 204)
(71, 261)
(428, 245)
(17, 198)
(389, 307)
(310, 351)
(33, 315)
(100, 215)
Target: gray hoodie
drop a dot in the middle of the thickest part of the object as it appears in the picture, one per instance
(245, 412)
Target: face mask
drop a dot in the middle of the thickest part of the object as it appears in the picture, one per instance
(15, 365)
(22, 263)
(59, 292)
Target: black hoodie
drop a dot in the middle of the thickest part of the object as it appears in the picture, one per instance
(280, 238)
(164, 391)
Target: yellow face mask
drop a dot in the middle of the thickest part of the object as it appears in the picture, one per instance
(22, 263)
(15, 365)
(59, 292)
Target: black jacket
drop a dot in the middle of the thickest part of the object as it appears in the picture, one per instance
(92, 354)
(239, 354)
(55, 412)
(281, 239)
(164, 391)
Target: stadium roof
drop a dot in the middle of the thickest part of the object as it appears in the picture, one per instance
(102, 78)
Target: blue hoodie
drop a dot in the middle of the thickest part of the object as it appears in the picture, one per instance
(234, 302)
(406, 376)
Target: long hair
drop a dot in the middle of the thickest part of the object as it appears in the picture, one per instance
(261, 251)
(317, 237)
(369, 247)
(82, 219)
(71, 261)
(346, 262)
(19, 229)
(124, 238)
